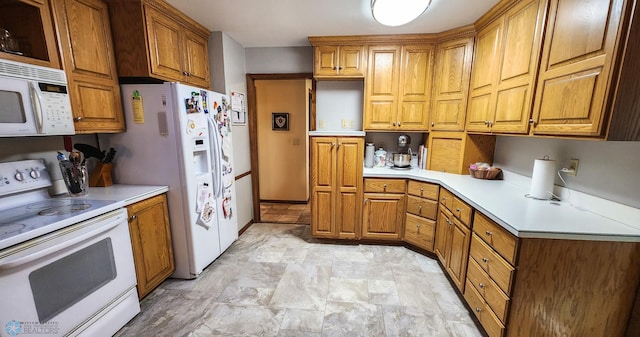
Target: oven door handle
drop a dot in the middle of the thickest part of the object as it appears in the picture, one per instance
(13, 263)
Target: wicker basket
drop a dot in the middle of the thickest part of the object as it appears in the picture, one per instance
(489, 174)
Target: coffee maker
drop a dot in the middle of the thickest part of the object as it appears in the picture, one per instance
(402, 159)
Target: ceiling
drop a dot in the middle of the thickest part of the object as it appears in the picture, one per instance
(284, 23)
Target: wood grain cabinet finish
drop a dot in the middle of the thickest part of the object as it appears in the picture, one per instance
(89, 63)
(155, 40)
(453, 152)
(384, 208)
(30, 22)
(151, 242)
(338, 62)
(422, 211)
(452, 246)
(451, 84)
(589, 47)
(504, 70)
(336, 187)
(398, 87)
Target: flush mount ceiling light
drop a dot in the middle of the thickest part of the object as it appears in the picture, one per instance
(397, 12)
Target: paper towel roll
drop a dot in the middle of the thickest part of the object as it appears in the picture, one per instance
(544, 171)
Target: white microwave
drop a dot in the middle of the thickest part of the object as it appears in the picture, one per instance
(34, 101)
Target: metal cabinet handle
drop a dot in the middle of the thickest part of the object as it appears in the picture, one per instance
(488, 233)
(481, 285)
(478, 309)
(133, 218)
(418, 227)
(421, 191)
(532, 122)
(333, 145)
(433, 124)
(485, 260)
(399, 124)
(77, 119)
(394, 123)
(458, 209)
(339, 144)
(420, 209)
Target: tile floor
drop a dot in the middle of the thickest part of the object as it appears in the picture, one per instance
(285, 213)
(277, 281)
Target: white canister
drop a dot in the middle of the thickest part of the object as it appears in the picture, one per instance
(380, 158)
(368, 155)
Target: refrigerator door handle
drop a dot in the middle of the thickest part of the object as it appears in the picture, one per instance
(216, 157)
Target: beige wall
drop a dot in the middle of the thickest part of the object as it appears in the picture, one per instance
(283, 155)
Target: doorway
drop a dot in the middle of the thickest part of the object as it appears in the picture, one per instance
(281, 108)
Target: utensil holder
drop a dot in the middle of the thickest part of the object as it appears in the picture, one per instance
(101, 175)
(75, 178)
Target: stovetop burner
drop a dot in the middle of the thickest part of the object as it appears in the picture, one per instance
(10, 228)
(64, 209)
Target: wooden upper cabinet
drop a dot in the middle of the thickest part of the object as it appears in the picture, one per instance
(29, 23)
(398, 87)
(451, 84)
(381, 87)
(414, 91)
(155, 40)
(504, 70)
(89, 63)
(577, 64)
(337, 61)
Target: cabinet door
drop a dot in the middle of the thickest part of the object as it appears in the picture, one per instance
(381, 88)
(458, 253)
(419, 231)
(323, 177)
(196, 59)
(90, 65)
(520, 52)
(383, 215)
(442, 233)
(351, 61)
(414, 92)
(325, 61)
(576, 66)
(349, 187)
(29, 21)
(485, 65)
(151, 242)
(164, 38)
(451, 84)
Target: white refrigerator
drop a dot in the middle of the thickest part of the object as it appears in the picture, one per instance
(180, 136)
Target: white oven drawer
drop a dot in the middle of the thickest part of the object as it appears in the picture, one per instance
(60, 280)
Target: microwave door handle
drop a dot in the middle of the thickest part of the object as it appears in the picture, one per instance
(13, 263)
(37, 98)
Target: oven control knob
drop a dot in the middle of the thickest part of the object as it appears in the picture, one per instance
(19, 176)
(35, 174)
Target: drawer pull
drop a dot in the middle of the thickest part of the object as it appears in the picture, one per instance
(457, 209)
(481, 285)
(478, 309)
(421, 191)
(488, 233)
(385, 187)
(418, 227)
(485, 260)
(420, 209)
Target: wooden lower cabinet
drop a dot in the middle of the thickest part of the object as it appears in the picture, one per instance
(383, 216)
(452, 246)
(151, 242)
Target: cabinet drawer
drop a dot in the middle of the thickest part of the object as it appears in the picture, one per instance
(498, 269)
(490, 292)
(462, 211)
(423, 190)
(446, 199)
(419, 231)
(487, 318)
(496, 237)
(422, 207)
(385, 185)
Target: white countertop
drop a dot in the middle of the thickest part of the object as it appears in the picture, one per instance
(124, 195)
(338, 133)
(504, 202)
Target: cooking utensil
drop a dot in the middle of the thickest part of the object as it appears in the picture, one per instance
(89, 151)
(109, 157)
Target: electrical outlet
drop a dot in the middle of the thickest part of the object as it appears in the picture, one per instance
(351, 124)
(321, 124)
(573, 167)
(344, 123)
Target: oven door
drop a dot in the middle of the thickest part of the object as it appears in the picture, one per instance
(56, 283)
(17, 116)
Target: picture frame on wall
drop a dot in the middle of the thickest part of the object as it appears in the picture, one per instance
(238, 113)
(280, 121)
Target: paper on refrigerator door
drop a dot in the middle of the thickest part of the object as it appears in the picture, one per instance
(207, 215)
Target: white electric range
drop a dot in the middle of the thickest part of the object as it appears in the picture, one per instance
(66, 264)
